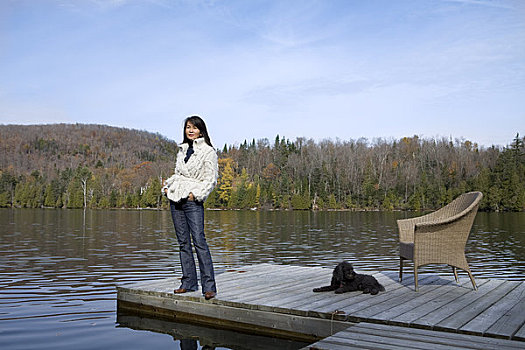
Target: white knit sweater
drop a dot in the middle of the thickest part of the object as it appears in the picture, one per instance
(197, 176)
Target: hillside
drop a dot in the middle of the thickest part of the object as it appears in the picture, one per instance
(55, 147)
(79, 165)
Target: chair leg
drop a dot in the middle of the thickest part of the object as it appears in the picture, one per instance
(472, 280)
(455, 270)
(400, 269)
(415, 277)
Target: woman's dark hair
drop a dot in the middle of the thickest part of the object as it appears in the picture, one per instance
(199, 124)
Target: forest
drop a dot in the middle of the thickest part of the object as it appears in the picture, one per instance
(98, 166)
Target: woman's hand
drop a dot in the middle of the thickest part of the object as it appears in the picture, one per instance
(191, 197)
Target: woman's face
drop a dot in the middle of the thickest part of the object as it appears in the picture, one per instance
(192, 132)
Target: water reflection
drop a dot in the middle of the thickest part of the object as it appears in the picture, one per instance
(191, 337)
(368, 239)
(59, 268)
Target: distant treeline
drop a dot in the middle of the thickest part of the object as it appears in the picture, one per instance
(76, 166)
(406, 174)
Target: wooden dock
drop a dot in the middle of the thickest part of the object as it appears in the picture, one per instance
(278, 300)
(379, 336)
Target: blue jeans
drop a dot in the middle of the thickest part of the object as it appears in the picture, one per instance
(188, 219)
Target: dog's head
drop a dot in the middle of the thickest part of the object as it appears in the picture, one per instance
(344, 271)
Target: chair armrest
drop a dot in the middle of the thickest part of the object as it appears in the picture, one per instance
(406, 230)
(407, 226)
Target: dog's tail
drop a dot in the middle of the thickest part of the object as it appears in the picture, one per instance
(381, 288)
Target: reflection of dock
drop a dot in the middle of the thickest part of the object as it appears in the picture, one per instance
(188, 335)
(278, 300)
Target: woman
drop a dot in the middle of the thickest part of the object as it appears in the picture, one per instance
(196, 170)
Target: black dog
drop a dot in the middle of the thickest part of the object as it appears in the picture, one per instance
(344, 279)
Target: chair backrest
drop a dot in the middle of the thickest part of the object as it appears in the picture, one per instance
(461, 205)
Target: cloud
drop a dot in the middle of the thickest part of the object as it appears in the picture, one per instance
(106, 5)
(293, 93)
(488, 3)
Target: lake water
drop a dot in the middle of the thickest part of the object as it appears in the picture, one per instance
(59, 268)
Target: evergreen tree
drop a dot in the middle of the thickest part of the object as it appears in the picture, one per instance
(250, 196)
(233, 201)
(300, 202)
(22, 194)
(150, 197)
(508, 191)
(213, 199)
(75, 194)
(8, 184)
(104, 203)
(59, 203)
(332, 202)
(4, 200)
(113, 199)
(49, 196)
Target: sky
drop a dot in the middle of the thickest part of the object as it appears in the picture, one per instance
(255, 69)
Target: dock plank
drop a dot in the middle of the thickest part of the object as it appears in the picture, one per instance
(375, 336)
(457, 339)
(430, 305)
(409, 312)
(511, 323)
(451, 306)
(286, 294)
(245, 276)
(520, 334)
(404, 302)
(385, 300)
(469, 312)
(274, 282)
(246, 280)
(333, 300)
(490, 316)
(356, 297)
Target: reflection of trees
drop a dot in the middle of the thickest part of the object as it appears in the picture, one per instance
(114, 246)
(299, 237)
(105, 246)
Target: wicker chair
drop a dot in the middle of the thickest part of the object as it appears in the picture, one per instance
(439, 237)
